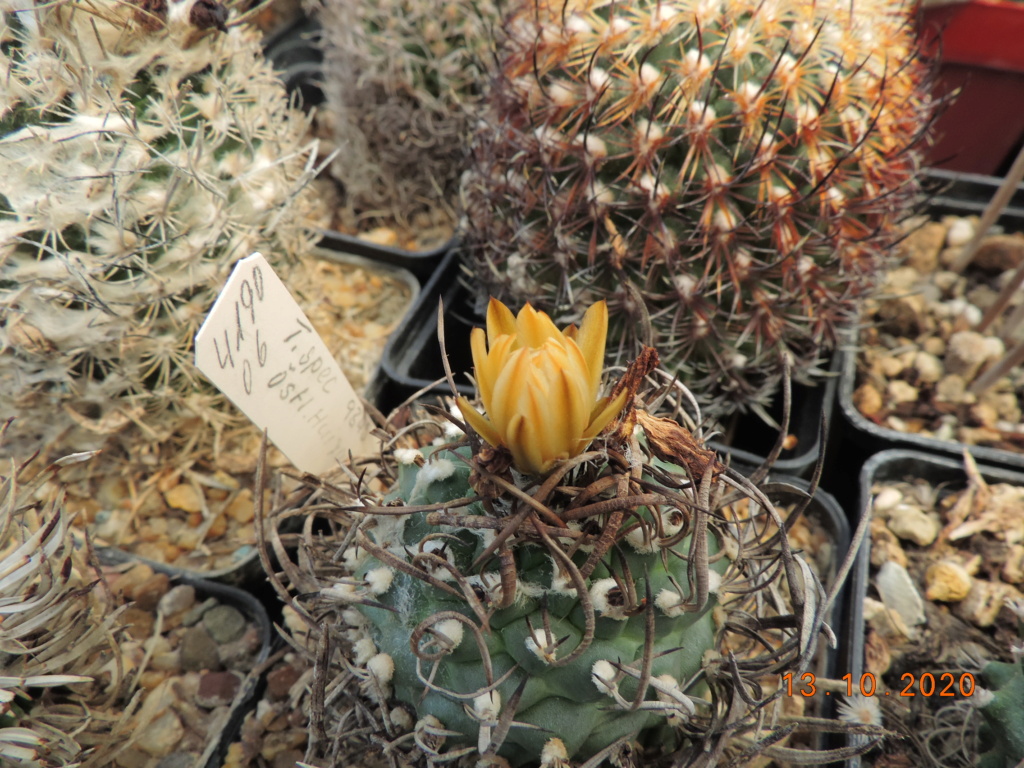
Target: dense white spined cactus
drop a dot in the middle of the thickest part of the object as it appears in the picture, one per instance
(145, 148)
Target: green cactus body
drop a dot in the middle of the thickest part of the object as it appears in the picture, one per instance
(727, 174)
(402, 80)
(145, 150)
(1004, 714)
(560, 701)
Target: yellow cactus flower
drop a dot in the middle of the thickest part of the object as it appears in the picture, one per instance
(539, 386)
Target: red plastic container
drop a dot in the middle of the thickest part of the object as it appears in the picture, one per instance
(980, 45)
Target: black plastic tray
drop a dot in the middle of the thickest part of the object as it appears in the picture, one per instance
(833, 518)
(217, 747)
(412, 363)
(956, 194)
(895, 465)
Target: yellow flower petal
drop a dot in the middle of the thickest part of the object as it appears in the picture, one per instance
(534, 327)
(539, 386)
(479, 423)
(611, 409)
(507, 394)
(488, 370)
(591, 340)
(500, 321)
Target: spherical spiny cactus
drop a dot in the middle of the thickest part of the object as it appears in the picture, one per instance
(529, 593)
(401, 80)
(145, 148)
(727, 174)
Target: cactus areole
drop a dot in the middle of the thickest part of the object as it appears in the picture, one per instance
(543, 591)
(727, 174)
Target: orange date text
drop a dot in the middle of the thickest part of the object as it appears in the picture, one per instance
(944, 684)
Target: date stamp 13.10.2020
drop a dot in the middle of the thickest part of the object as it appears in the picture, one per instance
(942, 684)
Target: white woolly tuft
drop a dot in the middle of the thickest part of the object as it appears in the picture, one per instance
(860, 710)
(346, 593)
(439, 469)
(363, 650)
(451, 629)
(603, 675)
(407, 456)
(642, 540)
(354, 618)
(599, 592)
(553, 754)
(401, 718)
(379, 579)
(982, 697)
(670, 602)
(487, 706)
(382, 667)
(714, 582)
(353, 557)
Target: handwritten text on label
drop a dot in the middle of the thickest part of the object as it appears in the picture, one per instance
(261, 351)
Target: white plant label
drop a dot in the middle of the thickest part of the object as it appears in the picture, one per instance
(259, 348)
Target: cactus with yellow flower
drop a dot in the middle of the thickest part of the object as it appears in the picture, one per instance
(727, 174)
(556, 578)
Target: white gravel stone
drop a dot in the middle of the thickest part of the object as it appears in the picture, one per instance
(912, 523)
(899, 594)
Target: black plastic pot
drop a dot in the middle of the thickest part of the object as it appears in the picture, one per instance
(959, 195)
(892, 466)
(412, 364)
(217, 745)
(784, 489)
(296, 54)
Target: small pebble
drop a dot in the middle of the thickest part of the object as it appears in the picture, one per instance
(900, 391)
(198, 651)
(235, 653)
(885, 546)
(177, 760)
(887, 499)
(911, 523)
(138, 622)
(868, 400)
(184, 496)
(217, 689)
(280, 681)
(951, 388)
(224, 623)
(196, 612)
(934, 345)
(179, 598)
(161, 736)
(947, 581)
(899, 593)
(928, 366)
(999, 253)
(965, 353)
(147, 595)
(241, 509)
(984, 602)
(960, 232)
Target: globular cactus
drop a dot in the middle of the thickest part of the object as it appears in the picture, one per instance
(727, 174)
(1001, 703)
(401, 81)
(145, 148)
(557, 583)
